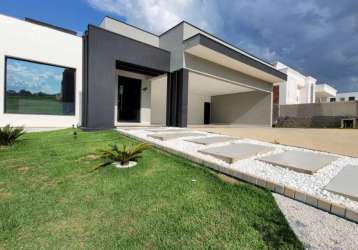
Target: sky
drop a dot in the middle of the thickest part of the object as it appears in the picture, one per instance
(315, 37)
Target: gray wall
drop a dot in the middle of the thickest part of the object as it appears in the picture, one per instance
(320, 109)
(252, 108)
(102, 49)
(316, 115)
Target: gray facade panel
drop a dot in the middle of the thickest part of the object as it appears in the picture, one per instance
(104, 49)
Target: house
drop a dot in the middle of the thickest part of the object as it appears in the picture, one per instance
(345, 97)
(119, 74)
(297, 89)
(324, 92)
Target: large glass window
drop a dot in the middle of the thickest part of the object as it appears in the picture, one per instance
(37, 88)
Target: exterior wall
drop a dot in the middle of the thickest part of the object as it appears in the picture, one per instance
(297, 89)
(320, 109)
(317, 115)
(104, 49)
(129, 31)
(158, 100)
(251, 108)
(196, 107)
(173, 42)
(34, 42)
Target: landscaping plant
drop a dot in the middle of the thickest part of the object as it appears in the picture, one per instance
(8, 135)
(122, 154)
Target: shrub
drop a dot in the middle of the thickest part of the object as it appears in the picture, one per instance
(123, 154)
(8, 135)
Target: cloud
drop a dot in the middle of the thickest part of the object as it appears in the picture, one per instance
(159, 15)
(319, 38)
(33, 77)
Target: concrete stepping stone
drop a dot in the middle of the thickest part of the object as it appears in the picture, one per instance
(212, 140)
(134, 128)
(162, 130)
(234, 152)
(171, 136)
(302, 162)
(345, 182)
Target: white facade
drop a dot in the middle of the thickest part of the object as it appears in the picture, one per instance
(324, 92)
(297, 89)
(345, 97)
(28, 41)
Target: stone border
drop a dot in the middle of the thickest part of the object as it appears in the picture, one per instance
(317, 202)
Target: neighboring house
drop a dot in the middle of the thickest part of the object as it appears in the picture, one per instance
(345, 97)
(324, 92)
(119, 74)
(297, 89)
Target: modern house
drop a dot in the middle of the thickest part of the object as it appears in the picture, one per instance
(324, 92)
(345, 97)
(119, 74)
(297, 89)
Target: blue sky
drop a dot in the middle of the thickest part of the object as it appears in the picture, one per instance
(317, 37)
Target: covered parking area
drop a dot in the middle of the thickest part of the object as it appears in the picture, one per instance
(226, 85)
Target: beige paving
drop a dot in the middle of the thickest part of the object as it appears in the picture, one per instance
(172, 136)
(339, 141)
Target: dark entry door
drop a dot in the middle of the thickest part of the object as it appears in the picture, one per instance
(206, 112)
(129, 91)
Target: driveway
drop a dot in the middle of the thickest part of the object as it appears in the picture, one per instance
(339, 141)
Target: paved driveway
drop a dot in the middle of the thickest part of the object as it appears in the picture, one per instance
(339, 141)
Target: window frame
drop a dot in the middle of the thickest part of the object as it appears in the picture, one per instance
(332, 99)
(351, 97)
(42, 63)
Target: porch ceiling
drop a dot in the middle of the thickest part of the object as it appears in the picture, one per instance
(209, 86)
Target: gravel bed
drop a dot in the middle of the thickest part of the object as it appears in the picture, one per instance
(311, 184)
(317, 229)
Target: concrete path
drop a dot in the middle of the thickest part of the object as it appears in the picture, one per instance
(302, 162)
(338, 141)
(345, 183)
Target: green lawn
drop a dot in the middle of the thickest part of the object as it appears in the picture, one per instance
(50, 199)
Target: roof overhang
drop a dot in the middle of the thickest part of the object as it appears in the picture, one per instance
(325, 90)
(211, 50)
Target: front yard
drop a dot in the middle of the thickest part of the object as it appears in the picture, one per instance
(51, 198)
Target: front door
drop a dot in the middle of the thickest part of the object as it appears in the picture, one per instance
(129, 91)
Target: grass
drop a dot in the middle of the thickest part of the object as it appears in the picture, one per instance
(50, 199)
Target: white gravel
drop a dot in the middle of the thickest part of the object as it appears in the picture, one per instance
(318, 229)
(311, 184)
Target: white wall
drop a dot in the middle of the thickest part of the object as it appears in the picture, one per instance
(159, 100)
(346, 95)
(34, 42)
(196, 107)
(298, 87)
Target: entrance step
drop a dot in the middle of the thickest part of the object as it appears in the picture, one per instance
(171, 136)
(212, 140)
(345, 182)
(302, 162)
(238, 151)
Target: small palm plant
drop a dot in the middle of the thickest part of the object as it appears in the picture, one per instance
(8, 135)
(122, 154)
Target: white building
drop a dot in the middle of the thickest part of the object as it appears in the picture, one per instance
(324, 92)
(345, 97)
(296, 90)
